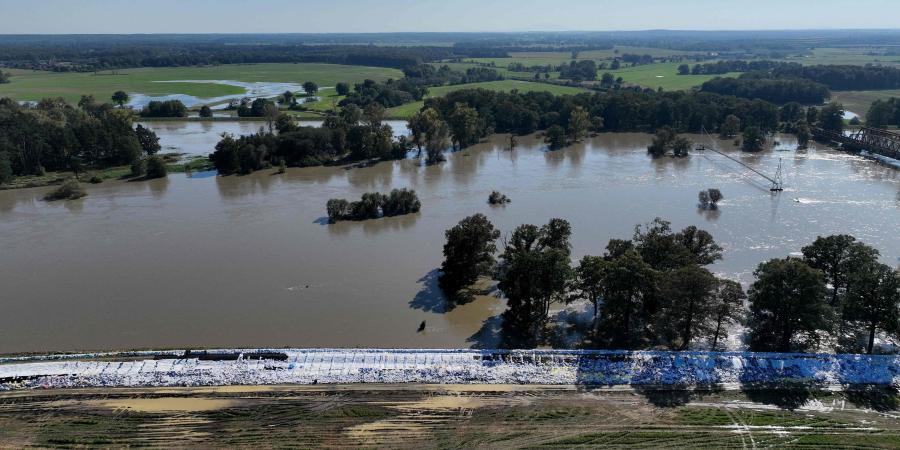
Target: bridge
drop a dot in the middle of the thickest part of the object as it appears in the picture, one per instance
(872, 140)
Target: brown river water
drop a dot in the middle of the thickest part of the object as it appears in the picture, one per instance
(249, 261)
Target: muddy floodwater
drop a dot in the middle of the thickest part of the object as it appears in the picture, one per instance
(250, 261)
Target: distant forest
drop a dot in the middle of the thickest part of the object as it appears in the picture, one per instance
(397, 50)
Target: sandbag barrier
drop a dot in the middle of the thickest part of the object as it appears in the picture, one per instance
(727, 370)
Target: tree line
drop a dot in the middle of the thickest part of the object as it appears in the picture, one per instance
(102, 56)
(461, 118)
(833, 76)
(352, 135)
(54, 135)
(779, 90)
(654, 290)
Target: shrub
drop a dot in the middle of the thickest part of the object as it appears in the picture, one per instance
(95, 180)
(137, 168)
(70, 190)
(156, 168)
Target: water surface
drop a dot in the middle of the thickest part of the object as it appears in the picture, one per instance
(249, 261)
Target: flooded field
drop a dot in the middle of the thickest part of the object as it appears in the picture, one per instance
(249, 261)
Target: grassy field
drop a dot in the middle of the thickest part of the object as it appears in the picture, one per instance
(407, 110)
(850, 55)
(664, 76)
(860, 101)
(445, 416)
(35, 85)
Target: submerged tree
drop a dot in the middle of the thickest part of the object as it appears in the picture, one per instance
(662, 141)
(556, 137)
(468, 254)
(753, 139)
(726, 309)
(589, 281)
(803, 134)
(534, 273)
(731, 127)
(463, 122)
(579, 124)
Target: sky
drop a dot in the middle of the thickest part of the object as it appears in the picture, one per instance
(299, 16)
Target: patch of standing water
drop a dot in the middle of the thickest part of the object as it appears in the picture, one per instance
(253, 90)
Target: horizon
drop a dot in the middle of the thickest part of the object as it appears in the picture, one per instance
(107, 17)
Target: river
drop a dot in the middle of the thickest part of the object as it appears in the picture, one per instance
(248, 261)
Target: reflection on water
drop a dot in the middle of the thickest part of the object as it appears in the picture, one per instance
(247, 260)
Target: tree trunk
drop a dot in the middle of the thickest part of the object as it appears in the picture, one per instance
(871, 345)
(686, 335)
(716, 335)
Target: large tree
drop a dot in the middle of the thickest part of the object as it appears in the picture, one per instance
(310, 87)
(688, 293)
(731, 127)
(787, 306)
(463, 123)
(873, 300)
(148, 140)
(627, 283)
(579, 124)
(831, 117)
(120, 98)
(588, 282)
(753, 139)
(468, 253)
(535, 272)
(727, 308)
(837, 256)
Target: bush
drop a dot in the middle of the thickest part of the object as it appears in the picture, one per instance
(70, 190)
(205, 111)
(156, 168)
(138, 168)
(497, 198)
(95, 180)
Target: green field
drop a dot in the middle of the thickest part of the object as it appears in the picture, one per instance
(664, 76)
(35, 85)
(653, 76)
(407, 110)
(860, 101)
(851, 56)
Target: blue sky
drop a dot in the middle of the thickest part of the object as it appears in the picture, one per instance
(210, 16)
